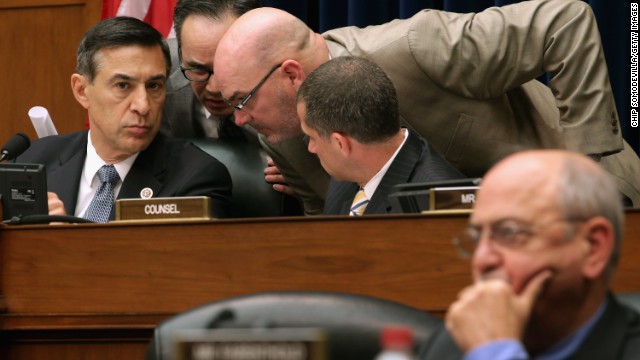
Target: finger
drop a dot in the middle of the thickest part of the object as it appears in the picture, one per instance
(271, 170)
(275, 179)
(268, 170)
(285, 189)
(270, 162)
(533, 289)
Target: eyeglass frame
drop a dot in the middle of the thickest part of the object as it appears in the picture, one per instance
(507, 239)
(184, 70)
(247, 97)
(184, 73)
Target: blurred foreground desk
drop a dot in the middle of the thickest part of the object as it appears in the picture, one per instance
(97, 291)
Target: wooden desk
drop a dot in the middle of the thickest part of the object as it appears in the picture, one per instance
(97, 291)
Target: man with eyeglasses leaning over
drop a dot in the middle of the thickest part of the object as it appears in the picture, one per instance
(194, 107)
(545, 233)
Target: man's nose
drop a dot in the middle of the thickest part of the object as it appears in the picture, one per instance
(486, 257)
(140, 102)
(241, 117)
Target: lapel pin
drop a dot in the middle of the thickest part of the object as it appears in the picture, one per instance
(146, 193)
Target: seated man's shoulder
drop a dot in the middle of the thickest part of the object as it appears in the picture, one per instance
(53, 147)
(630, 306)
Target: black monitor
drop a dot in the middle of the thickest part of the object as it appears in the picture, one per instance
(23, 188)
(415, 197)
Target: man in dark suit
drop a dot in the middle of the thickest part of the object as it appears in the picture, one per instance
(121, 74)
(194, 106)
(349, 110)
(545, 235)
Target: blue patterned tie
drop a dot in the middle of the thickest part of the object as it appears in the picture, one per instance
(360, 202)
(102, 202)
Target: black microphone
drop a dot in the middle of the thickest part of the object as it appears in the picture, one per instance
(15, 146)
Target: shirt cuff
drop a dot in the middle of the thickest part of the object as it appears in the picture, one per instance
(498, 350)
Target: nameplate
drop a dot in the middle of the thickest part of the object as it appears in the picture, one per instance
(185, 208)
(455, 199)
(254, 344)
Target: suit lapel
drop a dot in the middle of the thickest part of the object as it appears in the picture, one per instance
(339, 197)
(146, 172)
(399, 172)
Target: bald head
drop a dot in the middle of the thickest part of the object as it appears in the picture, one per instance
(260, 63)
(532, 185)
(529, 177)
(264, 37)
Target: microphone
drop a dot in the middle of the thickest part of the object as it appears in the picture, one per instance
(15, 146)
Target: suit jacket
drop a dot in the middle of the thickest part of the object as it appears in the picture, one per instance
(615, 336)
(170, 167)
(416, 161)
(183, 111)
(465, 83)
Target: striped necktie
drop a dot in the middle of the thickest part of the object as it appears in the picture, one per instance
(101, 204)
(359, 203)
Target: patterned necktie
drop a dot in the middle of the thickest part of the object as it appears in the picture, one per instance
(359, 203)
(102, 202)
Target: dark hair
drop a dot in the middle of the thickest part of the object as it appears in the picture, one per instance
(113, 33)
(351, 95)
(213, 9)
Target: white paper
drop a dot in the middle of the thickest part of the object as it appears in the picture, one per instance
(42, 121)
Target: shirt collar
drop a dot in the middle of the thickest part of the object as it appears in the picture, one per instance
(94, 162)
(372, 185)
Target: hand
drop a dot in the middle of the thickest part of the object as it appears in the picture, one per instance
(273, 176)
(490, 310)
(56, 206)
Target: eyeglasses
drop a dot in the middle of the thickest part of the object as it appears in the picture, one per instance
(196, 74)
(244, 101)
(508, 233)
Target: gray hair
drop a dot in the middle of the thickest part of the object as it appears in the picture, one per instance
(585, 193)
(114, 33)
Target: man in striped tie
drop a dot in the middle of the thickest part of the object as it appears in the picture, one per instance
(349, 111)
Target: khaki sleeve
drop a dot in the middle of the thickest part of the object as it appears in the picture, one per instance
(302, 171)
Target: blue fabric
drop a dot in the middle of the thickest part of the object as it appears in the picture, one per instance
(101, 204)
(498, 350)
(612, 16)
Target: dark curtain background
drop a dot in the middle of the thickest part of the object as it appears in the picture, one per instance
(612, 16)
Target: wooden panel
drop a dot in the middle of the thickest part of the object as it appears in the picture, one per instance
(39, 45)
(97, 291)
(170, 267)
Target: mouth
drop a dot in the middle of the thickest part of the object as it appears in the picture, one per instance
(216, 103)
(139, 130)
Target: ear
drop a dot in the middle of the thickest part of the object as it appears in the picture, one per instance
(294, 73)
(600, 237)
(79, 86)
(342, 142)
